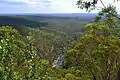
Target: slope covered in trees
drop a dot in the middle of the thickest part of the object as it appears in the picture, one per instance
(51, 39)
(19, 21)
(34, 55)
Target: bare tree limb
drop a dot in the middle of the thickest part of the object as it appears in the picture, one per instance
(102, 3)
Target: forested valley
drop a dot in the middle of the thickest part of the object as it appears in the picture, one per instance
(56, 47)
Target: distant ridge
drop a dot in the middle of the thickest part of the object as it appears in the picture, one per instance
(53, 14)
(18, 21)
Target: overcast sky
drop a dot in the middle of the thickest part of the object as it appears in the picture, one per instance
(45, 6)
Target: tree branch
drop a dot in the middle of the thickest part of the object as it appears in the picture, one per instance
(102, 3)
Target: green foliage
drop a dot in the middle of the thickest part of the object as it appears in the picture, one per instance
(9, 51)
(41, 70)
(50, 44)
(52, 39)
(108, 13)
(95, 56)
(70, 74)
(18, 58)
(97, 53)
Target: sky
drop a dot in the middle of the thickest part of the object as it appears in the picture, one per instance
(46, 6)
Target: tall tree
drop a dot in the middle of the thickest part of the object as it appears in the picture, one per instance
(97, 53)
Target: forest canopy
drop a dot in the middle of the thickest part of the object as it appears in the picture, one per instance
(93, 54)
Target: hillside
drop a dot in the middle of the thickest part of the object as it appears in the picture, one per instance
(53, 34)
(18, 21)
(64, 24)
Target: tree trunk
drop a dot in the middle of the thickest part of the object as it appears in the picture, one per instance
(118, 75)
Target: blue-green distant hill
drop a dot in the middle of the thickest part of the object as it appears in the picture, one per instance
(19, 21)
(68, 23)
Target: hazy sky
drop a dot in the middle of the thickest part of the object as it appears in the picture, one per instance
(45, 6)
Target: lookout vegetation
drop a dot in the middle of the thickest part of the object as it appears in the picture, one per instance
(95, 56)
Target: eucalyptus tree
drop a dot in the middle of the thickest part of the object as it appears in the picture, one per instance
(97, 53)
